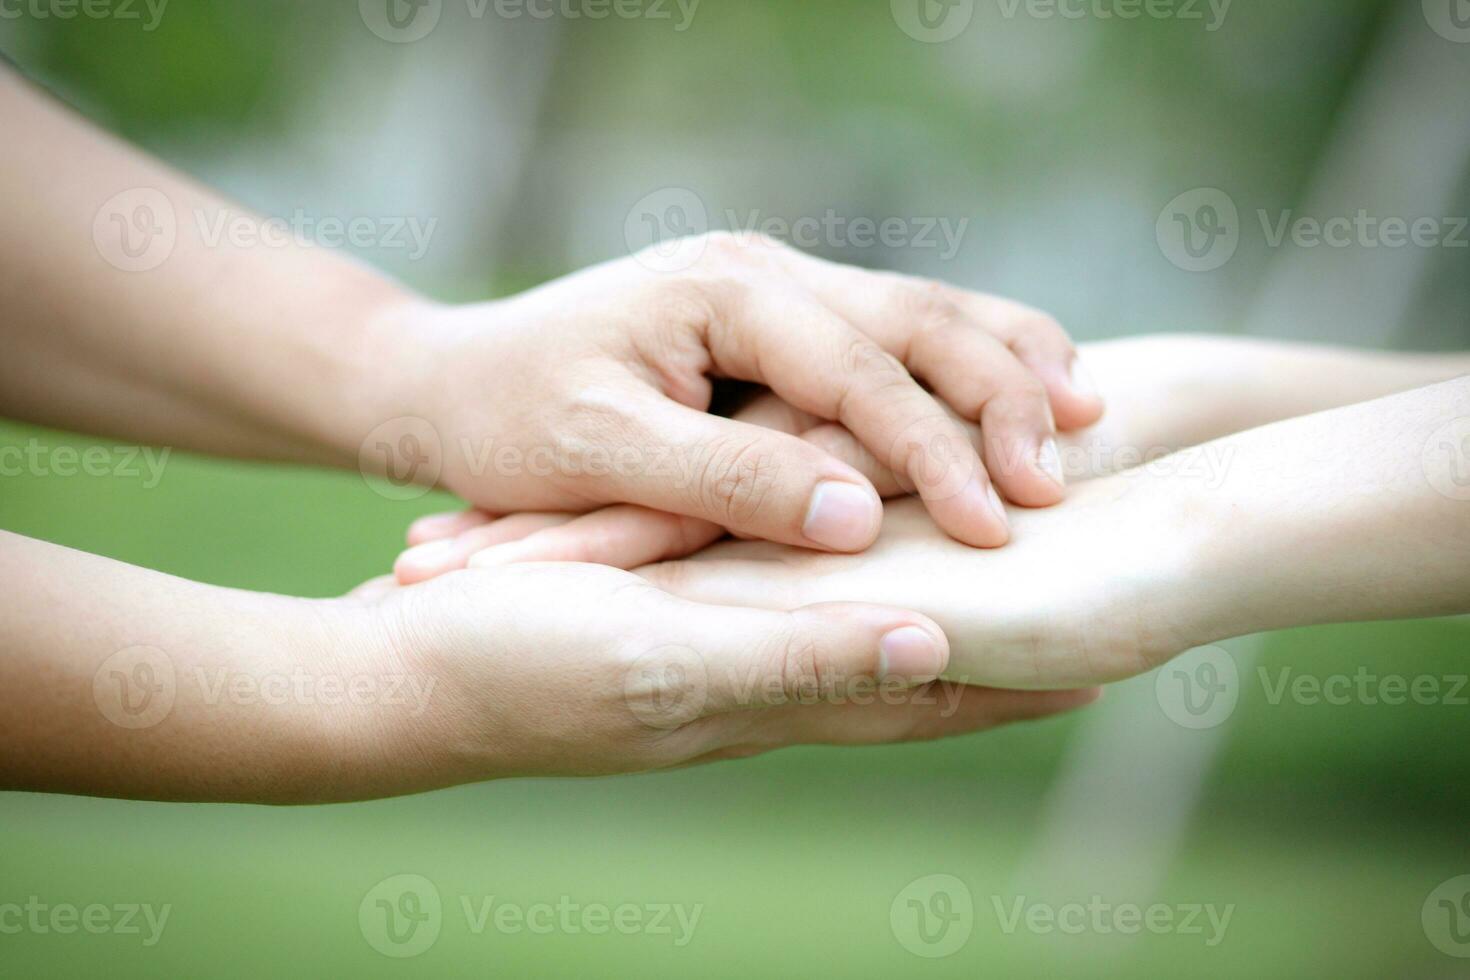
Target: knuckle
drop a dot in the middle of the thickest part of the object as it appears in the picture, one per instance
(738, 478)
(1023, 403)
(929, 303)
(796, 659)
(865, 359)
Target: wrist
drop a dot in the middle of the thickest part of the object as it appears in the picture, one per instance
(378, 369)
(370, 710)
(1194, 590)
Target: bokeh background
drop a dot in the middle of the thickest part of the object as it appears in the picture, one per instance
(538, 144)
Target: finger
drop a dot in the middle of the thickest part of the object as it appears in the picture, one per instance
(436, 527)
(1045, 347)
(435, 558)
(746, 478)
(624, 536)
(886, 306)
(982, 380)
(821, 364)
(758, 658)
(966, 364)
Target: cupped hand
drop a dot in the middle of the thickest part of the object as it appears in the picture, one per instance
(559, 669)
(594, 389)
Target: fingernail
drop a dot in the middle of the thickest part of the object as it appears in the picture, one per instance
(842, 516)
(431, 555)
(1049, 460)
(997, 506)
(1081, 380)
(910, 653)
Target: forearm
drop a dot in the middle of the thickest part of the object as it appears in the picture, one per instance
(119, 681)
(1171, 391)
(1360, 513)
(256, 346)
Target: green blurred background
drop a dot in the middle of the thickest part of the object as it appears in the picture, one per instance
(529, 141)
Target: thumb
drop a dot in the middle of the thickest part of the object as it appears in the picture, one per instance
(752, 480)
(817, 652)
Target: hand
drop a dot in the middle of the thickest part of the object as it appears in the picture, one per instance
(594, 390)
(1087, 593)
(582, 670)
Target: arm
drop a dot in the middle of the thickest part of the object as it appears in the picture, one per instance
(119, 681)
(1357, 513)
(157, 323)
